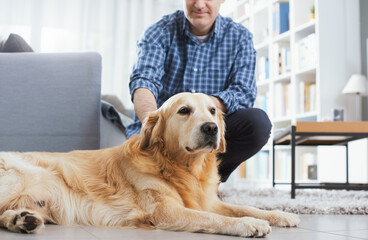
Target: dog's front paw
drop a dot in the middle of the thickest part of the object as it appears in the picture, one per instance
(283, 219)
(255, 227)
(23, 221)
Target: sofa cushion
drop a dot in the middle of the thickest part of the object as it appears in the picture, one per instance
(50, 101)
(14, 43)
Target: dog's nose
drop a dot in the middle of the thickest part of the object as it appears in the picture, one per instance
(209, 128)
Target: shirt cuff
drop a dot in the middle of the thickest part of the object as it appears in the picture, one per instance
(142, 83)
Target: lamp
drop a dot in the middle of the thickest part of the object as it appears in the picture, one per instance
(357, 85)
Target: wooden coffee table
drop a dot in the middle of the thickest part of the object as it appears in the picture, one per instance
(315, 134)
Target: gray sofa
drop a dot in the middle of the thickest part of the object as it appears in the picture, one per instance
(49, 101)
(52, 101)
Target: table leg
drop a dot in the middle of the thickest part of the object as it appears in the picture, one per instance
(293, 130)
(347, 162)
(273, 165)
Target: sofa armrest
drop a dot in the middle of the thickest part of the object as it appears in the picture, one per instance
(49, 101)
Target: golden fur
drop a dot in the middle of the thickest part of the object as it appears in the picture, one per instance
(165, 178)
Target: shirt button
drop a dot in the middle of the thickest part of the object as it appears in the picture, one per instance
(195, 69)
(193, 90)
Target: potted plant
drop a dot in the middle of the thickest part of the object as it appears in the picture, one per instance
(312, 12)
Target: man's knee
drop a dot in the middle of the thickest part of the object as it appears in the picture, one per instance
(261, 125)
(259, 120)
(256, 124)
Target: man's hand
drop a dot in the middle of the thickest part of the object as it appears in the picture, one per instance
(144, 102)
(218, 103)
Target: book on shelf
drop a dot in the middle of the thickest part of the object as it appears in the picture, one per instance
(280, 17)
(281, 56)
(284, 60)
(283, 165)
(308, 164)
(307, 97)
(263, 68)
(306, 51)
(282, 99)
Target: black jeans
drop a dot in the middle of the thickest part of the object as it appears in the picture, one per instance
(247, 131)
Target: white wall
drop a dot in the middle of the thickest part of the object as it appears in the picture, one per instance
(110, 27)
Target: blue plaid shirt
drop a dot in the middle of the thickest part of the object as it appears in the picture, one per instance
(171, 60)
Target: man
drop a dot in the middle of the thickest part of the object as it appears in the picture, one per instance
(198, 50)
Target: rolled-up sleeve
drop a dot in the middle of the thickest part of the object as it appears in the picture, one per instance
(149, 66)
(241, 89)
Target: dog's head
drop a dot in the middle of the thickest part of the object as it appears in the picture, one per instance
(186, 123)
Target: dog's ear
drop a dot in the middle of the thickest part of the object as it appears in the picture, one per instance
(152, 130)
(222, 127)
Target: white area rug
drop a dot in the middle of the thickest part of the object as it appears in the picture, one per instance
(306, 201)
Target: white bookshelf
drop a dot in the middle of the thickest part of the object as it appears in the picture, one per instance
(324, 75)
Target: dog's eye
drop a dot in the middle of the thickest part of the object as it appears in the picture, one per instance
(184, 111)
(213, 111)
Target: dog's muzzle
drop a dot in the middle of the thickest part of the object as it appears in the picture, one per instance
(209, 129)
(209, 132)
(208, 137)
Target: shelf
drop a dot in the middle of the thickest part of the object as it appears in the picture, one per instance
(304, 30)
(281, 1)
(334, 186)
(282, 119)
(242, 19)
(261, 46)
(282, 147)
(311, 81)
(284, 37)
(299, 181)
(306, 71)
(266, 148)
(263, 83)
(260, 9)
(308, 27)
(306, 115)
(282, 78)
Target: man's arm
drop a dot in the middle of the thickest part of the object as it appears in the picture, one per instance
(144, 102)
(148, 70)
(241, 89)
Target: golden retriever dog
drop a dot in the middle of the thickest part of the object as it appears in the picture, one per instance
(164, 178)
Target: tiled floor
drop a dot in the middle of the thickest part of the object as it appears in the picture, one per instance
(312, 227)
